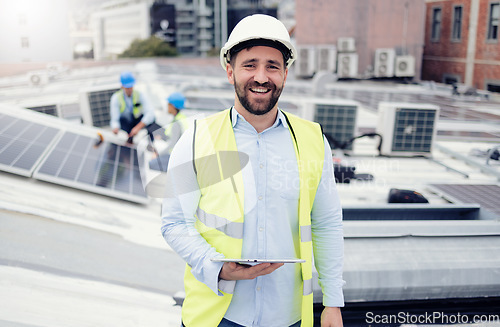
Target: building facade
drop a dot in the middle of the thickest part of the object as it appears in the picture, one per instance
(34, 31)
(462, 43)
(368, 25)
(201, 26)
(116, 25)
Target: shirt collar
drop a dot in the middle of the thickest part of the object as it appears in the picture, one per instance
(280, 119)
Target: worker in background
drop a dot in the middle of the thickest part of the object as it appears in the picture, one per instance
(130, 110)
(179, 124)
(173, 132)
(281, 202)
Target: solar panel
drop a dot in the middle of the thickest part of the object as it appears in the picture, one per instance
(23, 143)
(206, 103)
(488, 196)
(108, 169)
(47, 109)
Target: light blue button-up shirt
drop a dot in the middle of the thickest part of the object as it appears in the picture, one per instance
(271, 182)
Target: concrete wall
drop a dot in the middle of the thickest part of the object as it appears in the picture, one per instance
(397, 24)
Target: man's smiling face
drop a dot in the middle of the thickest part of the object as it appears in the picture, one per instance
(258, 75)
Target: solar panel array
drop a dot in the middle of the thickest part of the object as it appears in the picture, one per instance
(338, 121)
(48, 153)
(488, 196)
(23, 143)
(108, 169)
(47, 109)
(413, 130)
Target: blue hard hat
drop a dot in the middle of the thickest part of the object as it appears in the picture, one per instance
(177, 100)
(127, 79)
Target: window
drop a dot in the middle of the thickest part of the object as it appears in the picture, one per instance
(493, 21)
(22, 19)
(436, 24)
(451, 79)
(457, 23)
(493, 87)
(25, 42)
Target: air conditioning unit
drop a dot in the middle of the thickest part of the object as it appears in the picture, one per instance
(94, 105)
(407, 129)
(327, 58)
(70, 111)
(347, 66)
(38, 78)
(306, 61)
(384, 62)
(337, 117)
(405, 66)
(346, 44)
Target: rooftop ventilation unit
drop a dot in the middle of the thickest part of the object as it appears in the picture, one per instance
(347, 66)
(384, 62)
(346, 44)
(306, 61)
(336, 116)
(405, 66)
(38, 78)
(327, 58)
(407, 129)
(94, 105)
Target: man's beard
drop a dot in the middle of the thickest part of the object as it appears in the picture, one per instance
(261, 107)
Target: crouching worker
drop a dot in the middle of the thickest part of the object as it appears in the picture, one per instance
(130, 110)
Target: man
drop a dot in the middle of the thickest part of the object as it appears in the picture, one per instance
(130, 111)
(281, 202)
(173, 131)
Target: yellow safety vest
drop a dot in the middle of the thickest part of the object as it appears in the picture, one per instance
(182, 119)
(137, 110)
(220, 212)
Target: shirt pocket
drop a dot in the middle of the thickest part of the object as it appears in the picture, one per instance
(286, 182)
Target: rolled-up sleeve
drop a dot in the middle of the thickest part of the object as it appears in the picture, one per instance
(328, 237)
(114, 112)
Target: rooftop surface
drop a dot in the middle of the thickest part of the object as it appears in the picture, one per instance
(87, 257)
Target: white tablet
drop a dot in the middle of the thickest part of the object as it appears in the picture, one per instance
(250, 261)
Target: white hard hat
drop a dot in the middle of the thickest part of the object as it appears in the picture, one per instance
(259, 30)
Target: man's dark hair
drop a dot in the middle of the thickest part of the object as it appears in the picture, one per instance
(259, 42)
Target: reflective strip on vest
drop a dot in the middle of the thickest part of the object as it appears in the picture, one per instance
(305, 233)
(308, 286)
(230, 228)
